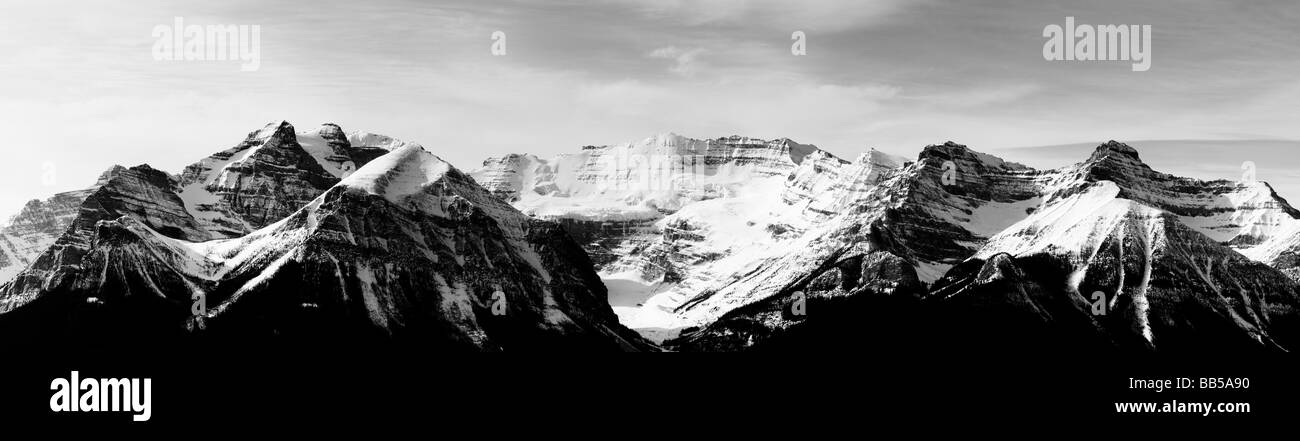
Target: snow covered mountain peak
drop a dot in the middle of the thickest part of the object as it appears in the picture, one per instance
(975, 230)
(39, 223)
(275, 134)
(1121, 163)
(960, 153)
(879, 158)
(336, 138)
(405, 248)
(1115, 147)
(331, 129)
(403, 172)
(109, 174)
(670, 143)
(363, 139)
(638, 180)
(270, 174)
(669, 139)
(709, 238)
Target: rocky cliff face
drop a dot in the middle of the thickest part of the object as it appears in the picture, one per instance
(644, 179)
(142, 193)
(1139, 280)
(680, 213)
(1030, 247)
(725, 263)
(852, 298)
(273, 172)
(727, 244)
(39, 224)
(268, 176)
(404, 249)
(1248, 216)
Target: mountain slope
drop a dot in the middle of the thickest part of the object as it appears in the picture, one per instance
(39, 224)
(727, 244)
(272, 173)
(1248, 216)
(405, 249)
(141, 192)
(929, 214)
(982, 210)
(1166, 286)
(667, 216)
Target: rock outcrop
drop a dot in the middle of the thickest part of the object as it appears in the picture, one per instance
(727, 266)
(406, 249)
(39, 224)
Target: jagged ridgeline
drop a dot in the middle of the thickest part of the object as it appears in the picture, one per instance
(753, 244)
(316, 237)
(329, 237)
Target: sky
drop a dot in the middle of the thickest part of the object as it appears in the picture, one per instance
(81, 90)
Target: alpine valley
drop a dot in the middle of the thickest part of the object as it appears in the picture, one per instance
(323, 236)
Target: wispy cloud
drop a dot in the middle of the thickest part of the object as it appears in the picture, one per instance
(825, 15)
(685, 61)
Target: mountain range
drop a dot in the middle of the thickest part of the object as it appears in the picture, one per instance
(717, 260)
(734, 243)
(317, 237)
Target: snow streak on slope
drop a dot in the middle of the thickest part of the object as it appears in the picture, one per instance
(408, 241)
(712, 234)
(273, 172)
(954, 206)
(707, 258)
(402, 173)
(677, 213)
(1248, 216)
(1075, 225)
(634, 180)
(30, 232)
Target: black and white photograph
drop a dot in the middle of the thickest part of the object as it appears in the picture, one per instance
(307, 212)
